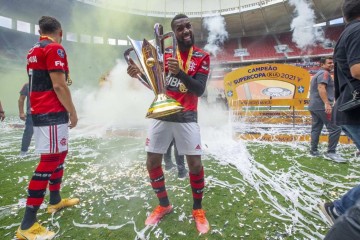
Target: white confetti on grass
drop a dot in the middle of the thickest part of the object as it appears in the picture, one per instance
(300, 189)
(101, 174)
(23, 178)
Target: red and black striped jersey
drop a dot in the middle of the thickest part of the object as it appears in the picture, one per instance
(44, 57)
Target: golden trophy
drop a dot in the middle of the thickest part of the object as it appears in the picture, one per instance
(151, 58)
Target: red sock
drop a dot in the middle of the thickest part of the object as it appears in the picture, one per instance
(157, 181)
(197, 185)
(56, 177)
(38, 183)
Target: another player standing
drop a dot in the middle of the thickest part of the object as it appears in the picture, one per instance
(51, 110)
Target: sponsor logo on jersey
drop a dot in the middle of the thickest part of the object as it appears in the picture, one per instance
(205, 65)
(32, 59)
(205, 68)
(63, 142)
(175, 83)
(198, 54)
(182, 88)
(198, 147)
(61, 53)
(59, 63)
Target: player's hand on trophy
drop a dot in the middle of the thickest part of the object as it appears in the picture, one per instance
(133, 70)
(173, 65)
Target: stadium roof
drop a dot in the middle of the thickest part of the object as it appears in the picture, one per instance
(242, 17)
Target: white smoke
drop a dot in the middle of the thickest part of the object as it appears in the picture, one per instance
(304, 32)
(121, 102)
(217, 33)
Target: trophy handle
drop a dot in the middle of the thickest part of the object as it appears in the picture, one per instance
(159, 40)
(127, 55)
(160, 37)
(139, 76)
(172, 35)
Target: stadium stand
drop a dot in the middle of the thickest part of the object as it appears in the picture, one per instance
(14, 45)
(227, 53)
(260, 47)
(263, 47)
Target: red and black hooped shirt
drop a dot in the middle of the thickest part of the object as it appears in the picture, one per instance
(199, 66)
(44, 57)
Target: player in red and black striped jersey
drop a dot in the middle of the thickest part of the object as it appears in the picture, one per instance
(44, 58)
(186, 83)
(51, 110)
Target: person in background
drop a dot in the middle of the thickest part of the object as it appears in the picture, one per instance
(28, 131)
(2, 113)
(53, 113)
(222, 101)
(320, 107)
(179, 159)
(344, 213)
(189, 72)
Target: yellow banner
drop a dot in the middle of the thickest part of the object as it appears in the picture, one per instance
(270, 102)
(287, 138)
(298, 77)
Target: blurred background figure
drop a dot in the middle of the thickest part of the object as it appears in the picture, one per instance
(104, 80)
(179, 159)
(2, 113)
(25, 116)
(221, 101)
(320, 107)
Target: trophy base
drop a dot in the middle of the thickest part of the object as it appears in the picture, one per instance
(163, 106)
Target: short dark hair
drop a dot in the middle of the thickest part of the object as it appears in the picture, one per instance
(323, 59)
(49, 24)
(351, 9)
(178, 16)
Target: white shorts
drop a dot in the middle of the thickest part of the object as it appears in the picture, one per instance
(186, 135)
(51, 139)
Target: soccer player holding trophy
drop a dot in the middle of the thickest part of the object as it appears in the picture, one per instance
(185, 68)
